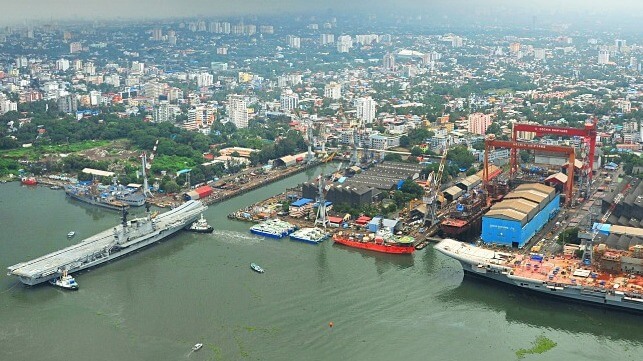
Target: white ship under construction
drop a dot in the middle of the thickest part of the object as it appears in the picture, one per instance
(112, 243)
(555, 275)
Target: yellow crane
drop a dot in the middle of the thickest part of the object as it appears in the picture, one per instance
(434, 181)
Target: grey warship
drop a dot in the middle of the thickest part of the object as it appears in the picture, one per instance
(554, 276)
(107, 245)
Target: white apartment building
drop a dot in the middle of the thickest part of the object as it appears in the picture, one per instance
(204, 80)
(288, 100)
(237, 110)
(365, 109)
(344, 43)
(62, 64)
(333, 90)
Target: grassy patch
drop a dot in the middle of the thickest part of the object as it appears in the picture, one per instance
(540, 345)
(35, 152)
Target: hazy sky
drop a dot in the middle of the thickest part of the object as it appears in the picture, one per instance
(17, 11)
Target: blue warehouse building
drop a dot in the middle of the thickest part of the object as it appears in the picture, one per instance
(523, 212)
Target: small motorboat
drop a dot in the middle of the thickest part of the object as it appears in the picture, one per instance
(71, 234)
(200, 226)
(65, 281)
(255, 267)
(197, 347)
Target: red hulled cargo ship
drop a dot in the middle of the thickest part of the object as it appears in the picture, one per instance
(377, 243)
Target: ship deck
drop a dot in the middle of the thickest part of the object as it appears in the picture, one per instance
(94, 245)
(553, 269)
(560, 269)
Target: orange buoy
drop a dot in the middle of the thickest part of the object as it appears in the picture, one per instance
(330, 324)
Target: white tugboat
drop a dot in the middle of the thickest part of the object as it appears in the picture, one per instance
(65, 281)
(200, 226)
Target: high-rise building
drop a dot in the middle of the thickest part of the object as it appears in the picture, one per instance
(157, 34)
(365, 109)
(22, 62)
(539, 54)
(388, 63)
(77, 64)
(62, 64)
(288, 100)
(154, 90)
(478, 123)
(75, 47)
(138, 67)
(113, 80)
(326, 39)
(620, 44)
(68, 103)
(266, 29)
(250, 29)
(204, 80)
(7, 105)
(456, 42)
(238, 111)
(333, 90)
(603, 56)
(89, 69)
(344, 43)
(294, 41)
(165, 112)
(514, 47)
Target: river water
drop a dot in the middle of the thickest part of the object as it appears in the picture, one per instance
(157, 303)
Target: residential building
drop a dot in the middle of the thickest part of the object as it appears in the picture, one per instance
(294, 41)
(478, 123)
(204, 80)
(327, 39)
(62, 64)
(603, 57)
(237, 110)
(288, 100)
(388, 63)
(344, 43)
(68, 104)
(365, 109)
(75, 47)
(333, 90)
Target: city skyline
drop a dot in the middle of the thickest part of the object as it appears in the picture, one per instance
(497, 10)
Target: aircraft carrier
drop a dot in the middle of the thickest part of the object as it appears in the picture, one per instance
(552, 276)
(112, 243)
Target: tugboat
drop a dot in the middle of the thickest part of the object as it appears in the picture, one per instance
(65, 281)
(28, 181)
(200, 226)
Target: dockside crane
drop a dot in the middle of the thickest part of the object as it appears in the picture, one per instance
(145, 166)
(434, 182)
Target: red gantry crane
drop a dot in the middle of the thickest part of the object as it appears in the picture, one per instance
(513, 146)
(588, 133)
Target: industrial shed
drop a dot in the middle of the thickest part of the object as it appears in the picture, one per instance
(452, 193)
(522, 213)
(469, 183)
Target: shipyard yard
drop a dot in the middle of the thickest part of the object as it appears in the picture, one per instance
(199, 287)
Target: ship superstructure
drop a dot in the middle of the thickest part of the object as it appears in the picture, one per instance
(112, 243)
(556, 276)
